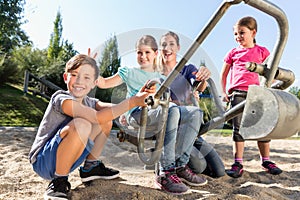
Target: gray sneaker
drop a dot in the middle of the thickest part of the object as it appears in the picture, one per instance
(187, 176)
(170, 182)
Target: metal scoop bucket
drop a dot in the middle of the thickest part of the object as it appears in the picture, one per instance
(270, 114)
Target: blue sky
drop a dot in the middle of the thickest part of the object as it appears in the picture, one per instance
(90, 23)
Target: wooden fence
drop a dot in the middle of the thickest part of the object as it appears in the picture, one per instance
(44, 86)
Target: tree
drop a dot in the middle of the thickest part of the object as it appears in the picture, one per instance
(295, 90)
(109, 64)
(27, 58)
(59, 52)
(11, 36)
(55, 45)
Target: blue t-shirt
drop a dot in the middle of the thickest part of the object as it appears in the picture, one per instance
(135, 79)
(181, 87)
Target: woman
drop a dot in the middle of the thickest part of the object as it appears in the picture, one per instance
(203, 158)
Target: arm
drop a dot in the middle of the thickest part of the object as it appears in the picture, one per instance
(224, 74)
(202, 75)
(109, 82)
(108, 112)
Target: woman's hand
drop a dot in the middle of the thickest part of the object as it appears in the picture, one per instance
(202, 74)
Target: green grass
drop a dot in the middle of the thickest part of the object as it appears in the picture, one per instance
(17, 109)
(222, 132)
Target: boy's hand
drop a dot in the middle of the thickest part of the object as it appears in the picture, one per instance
(143, 94)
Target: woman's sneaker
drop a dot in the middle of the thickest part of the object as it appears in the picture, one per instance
(58, 188)
(271, 168)
(170, 182)
(98, 172)
(189, 177)
(236, 170)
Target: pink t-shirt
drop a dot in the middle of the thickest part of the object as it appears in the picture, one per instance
(240, 77)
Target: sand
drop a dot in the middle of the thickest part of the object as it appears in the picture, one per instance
(18, 180)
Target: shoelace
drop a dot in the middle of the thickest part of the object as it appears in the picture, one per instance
(234, 168)
(272, 166)
(190, 172)
(58, 185)
(174, 178)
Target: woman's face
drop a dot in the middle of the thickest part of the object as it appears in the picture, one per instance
(169, 48)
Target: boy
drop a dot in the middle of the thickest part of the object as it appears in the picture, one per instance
(71, 130)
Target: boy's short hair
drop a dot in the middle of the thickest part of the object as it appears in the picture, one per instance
(81, 59)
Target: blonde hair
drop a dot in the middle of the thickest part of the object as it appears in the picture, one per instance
(248, 22)
(150, 41)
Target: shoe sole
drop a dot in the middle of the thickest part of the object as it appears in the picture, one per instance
(91, 178)
(235, 176)
(268, 171)
(46, 197)
(193, 184)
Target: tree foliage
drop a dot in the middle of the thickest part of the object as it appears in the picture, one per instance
(109, 64)
(55, 45)
(59, 52)
(11, 36)
(27, 58)
(295, 90)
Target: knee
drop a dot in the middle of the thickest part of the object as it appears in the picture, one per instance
(197, 162)
(106, 127)
(82, 127)
(174, 113)
(237, 137)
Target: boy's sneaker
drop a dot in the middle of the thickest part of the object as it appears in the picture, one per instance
(98, 172)
(170, 182)
(58, 188)
(189, 177)
(236, 170)
(271, 168)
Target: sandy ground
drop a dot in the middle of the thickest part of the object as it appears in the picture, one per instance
(18, 181)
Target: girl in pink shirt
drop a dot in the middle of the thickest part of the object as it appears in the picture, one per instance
(240, 78)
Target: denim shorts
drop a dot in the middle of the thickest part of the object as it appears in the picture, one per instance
(46, 159)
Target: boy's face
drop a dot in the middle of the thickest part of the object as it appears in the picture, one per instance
(80, 81)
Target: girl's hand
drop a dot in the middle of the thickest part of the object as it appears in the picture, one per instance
(225, 97)
(89, 54)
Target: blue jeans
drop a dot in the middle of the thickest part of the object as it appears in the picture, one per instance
(189, 125)
(204, 159)
(167, 160)
(182, 127)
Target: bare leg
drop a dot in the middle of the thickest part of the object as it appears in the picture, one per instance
(99, 139)
(74, 139)
(239, 149)
(264, 149)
